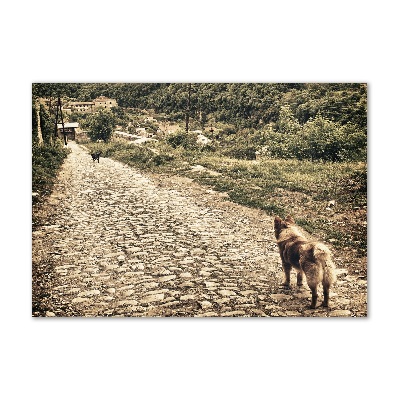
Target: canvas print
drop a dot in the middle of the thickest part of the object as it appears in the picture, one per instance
(199, 200)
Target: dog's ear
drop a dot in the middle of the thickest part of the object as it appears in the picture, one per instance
(289, 219)
(280, 223)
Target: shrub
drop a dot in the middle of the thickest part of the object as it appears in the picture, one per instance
(101, 125)
(46, 160)
(317, 139)
(182, 139)
(242, 152)
(243, 144)
(161, 159)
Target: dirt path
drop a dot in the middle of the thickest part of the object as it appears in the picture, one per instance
(114, 242)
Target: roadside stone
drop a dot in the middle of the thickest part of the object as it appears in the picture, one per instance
(248, 292)
(153, 298)
(128, 293)
(293, 314)
(50, 314)
(205, 305)
(302, 295)
(187, 284)
(280, 297)
(170, 304)
(197, 252)
(132, 250)
(74, 290)
(109, 267)
(90, 293)
(166, 278)
(127, 303)
(237, 313)
(258, 312)
(208, 314)
(340, 313)
(187, 297)
(341, 271)
(161, 271)
(168, 299)
(79, 299)
(113, 255)
(223, 301)
(227, 293)
(278, 314)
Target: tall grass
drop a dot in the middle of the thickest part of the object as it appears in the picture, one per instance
(46, 161)
(279, 187)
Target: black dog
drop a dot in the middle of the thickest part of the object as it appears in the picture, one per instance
(96, 156)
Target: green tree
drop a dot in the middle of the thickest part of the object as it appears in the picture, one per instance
(101, 125)
(287, 123)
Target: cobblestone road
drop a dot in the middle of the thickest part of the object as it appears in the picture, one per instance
(114, 242)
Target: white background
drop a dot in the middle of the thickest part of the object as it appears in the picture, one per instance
(208, 41)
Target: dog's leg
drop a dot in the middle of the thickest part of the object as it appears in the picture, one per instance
(300, 278)
(314, 297)
(312, 275)
(286, 270)
(98, 159)
(325, 303)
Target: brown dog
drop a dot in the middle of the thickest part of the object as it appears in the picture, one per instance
(309, 257)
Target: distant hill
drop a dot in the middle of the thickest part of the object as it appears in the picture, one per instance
(245, 105)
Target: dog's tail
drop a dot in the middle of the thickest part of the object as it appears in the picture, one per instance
(324, 257)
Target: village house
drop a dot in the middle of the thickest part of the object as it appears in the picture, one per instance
(70, 128)
(80, 106)
(89, 106)
(104, 102)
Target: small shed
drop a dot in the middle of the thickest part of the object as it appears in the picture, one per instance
(70, 129)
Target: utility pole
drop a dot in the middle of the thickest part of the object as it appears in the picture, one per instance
(59, 108)
(188, 108)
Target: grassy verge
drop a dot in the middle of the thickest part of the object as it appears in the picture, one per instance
(279, 187)
(46, 161)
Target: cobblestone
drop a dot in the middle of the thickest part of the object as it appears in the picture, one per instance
(113, 241)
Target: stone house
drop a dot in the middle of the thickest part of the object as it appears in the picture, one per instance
(70, 128)
(80, 106)
(104, 102)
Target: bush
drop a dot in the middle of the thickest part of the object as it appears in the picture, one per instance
(182, 139)
(242, 152)
(354, 147)
(101, 125)
(46, 161)
(317, 139)
(161, 159)
(242, 144)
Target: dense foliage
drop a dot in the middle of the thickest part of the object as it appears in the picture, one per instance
(48, 156)
(242, 104)
(314, 121)
(101, 125)
(318, 139)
